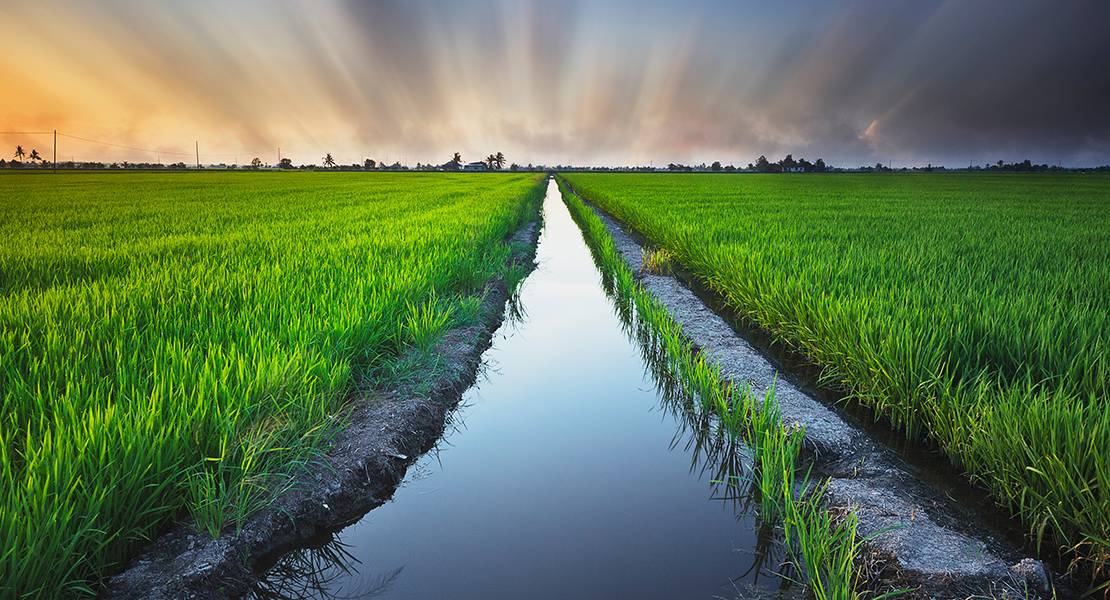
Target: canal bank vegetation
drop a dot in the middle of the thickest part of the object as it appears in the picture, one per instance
(174, 348)
(971, 310)
(822, 548)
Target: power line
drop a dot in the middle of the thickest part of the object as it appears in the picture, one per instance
(159, 151)
(148, 150)
(125, 147)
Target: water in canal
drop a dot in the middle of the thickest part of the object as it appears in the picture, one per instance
(568, 474)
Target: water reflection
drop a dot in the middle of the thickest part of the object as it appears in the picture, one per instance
(564, 483)
(312, 572)
(713, 450)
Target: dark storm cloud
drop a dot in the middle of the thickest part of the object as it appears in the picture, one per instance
(1012, 79)
(948, 80)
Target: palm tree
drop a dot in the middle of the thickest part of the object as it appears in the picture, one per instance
(328, 160)
(19, 153)
(457, 160)
(499, 158)
(35, 156)
(490, 161)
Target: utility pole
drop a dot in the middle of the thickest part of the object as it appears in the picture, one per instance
(55, 151)
(198, 155)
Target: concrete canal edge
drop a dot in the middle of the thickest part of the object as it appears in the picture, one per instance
(387, 431)
(927, 542)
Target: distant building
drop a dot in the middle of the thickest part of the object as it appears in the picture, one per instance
(475, 166)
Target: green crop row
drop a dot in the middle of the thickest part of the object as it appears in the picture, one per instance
(180, 343)
(824, 548)
(974, 310)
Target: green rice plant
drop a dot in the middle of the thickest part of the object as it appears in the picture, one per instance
(242, 480)
(182, 344)
(968, 309)
(426, 323)
(208, 501)
(827, 546)
(827, 549)
(734, 409)
(657, 262)
(776, 448)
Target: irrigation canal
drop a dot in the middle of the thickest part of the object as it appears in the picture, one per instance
(569, 473)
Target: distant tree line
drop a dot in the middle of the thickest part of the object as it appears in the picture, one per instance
(787, 165)
(496, 162)
(761, 165)
(493, 162)
(1024, 166)
(681, 168)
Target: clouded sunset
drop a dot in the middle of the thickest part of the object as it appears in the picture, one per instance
(565, 81)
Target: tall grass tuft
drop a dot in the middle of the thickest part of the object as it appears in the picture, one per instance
(657, 262)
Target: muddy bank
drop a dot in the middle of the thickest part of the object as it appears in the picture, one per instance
(386, 433)
(934, 546)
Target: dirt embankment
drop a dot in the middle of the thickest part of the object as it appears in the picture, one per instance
(387, 432)
(922, 540)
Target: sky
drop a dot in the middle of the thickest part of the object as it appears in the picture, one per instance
(579, 82)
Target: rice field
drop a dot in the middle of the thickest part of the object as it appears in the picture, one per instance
(177, 345)
(970, 309)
